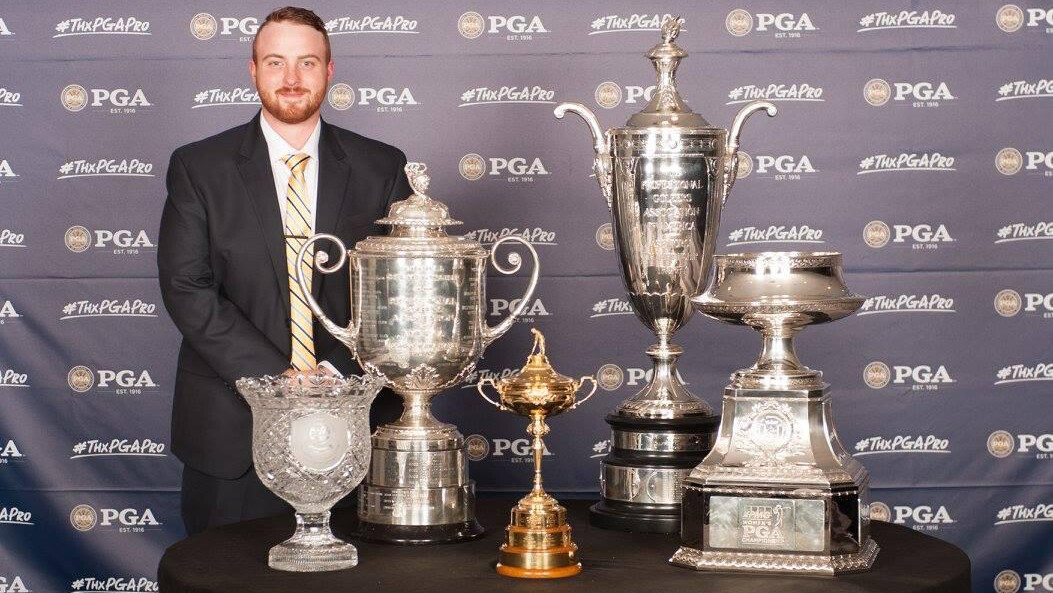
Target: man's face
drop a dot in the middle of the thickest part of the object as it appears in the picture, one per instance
(290, 70)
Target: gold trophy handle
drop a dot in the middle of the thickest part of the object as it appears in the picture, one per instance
(479, 388)
(586, 398)
(347, 335)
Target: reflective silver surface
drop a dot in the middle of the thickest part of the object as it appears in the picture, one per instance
(659, 442)
(665, 175)
(778, 492)
(417, 320)
(643, 485)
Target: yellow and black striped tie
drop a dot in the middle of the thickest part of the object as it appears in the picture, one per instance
(297, 230)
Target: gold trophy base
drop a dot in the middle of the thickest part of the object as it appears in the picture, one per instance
(538, 544)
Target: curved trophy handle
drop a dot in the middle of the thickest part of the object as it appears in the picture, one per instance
(492, 333)
(581, 382)
(602, 165)
(479, 388)
(731, 149)
(347, 335)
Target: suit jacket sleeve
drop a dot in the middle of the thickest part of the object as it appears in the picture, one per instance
(213, 326)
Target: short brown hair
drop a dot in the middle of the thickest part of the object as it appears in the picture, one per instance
(295, 14)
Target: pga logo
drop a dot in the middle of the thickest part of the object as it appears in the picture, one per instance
(876, 234)
(204, 26)
(1009, 581)
(784, 164)
(500, 307)
(923, 515)
(473, 167)
(75, 97)
(1009, 302)
(1002, 444)
(515, 447)
(472, 25)
(84, 518)
(78, 240)
(342, 96)
(740, 22)
(878, 375)
(15, 585)
(878, 92)
(609, 94)
(1011, 18)
(81, 379)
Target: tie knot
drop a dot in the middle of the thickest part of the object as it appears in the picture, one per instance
(296, 161)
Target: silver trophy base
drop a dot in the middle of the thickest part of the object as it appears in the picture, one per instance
(772, 562)
(417, 490)
(778, 493)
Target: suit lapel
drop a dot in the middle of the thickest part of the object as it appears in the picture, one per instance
(333, 174)
(256, 174)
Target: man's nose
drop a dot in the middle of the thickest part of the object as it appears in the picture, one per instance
(292, 76)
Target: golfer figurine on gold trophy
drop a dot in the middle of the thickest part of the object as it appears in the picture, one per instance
(537, 543)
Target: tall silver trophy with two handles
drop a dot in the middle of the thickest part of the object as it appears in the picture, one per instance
(417, 319)
(666, 176)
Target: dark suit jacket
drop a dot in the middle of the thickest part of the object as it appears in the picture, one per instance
(221, 264)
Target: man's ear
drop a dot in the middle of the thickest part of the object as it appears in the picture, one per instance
(252, 70)
(329, 71)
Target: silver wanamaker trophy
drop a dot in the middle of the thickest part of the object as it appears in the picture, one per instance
(417, 319)
(310, 446)
(778, 493)
(666, 176)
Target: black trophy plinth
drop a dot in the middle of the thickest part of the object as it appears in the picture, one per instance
(416, 535)
(641, 480)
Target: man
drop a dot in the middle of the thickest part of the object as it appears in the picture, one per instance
(240, 204)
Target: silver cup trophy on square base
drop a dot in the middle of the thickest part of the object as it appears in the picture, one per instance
(666, 176)
(417, 319)
(310, 446)
(778, 493)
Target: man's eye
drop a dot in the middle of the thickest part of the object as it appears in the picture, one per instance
(308, 63)
(275, 63)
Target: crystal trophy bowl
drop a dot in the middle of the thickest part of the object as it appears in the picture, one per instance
(310, 446)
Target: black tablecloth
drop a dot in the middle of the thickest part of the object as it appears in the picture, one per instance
(233, 559)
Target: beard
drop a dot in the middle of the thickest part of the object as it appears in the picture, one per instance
(306, 105)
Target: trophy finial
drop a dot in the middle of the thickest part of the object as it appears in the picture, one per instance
(539, 342)
(671, 28)
(418, 177)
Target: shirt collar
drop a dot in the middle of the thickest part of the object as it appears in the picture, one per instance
(278, 148)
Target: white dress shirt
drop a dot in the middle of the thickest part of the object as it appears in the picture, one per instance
(277, 150)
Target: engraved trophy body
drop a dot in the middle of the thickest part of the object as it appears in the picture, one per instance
(310, 446)
(778, 493)
(417, 301)
(666, 176)
(537, 541)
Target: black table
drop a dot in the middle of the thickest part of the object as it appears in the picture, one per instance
(233, 559)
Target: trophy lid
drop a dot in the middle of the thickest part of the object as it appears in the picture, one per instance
(537, 384)
(418, 224)
(667, 108)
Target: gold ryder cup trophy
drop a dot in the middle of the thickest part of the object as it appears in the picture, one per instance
(666, 175)
(778, 493)
(417, 319)
(537, 543)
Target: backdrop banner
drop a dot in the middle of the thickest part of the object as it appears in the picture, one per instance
(914, 137)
